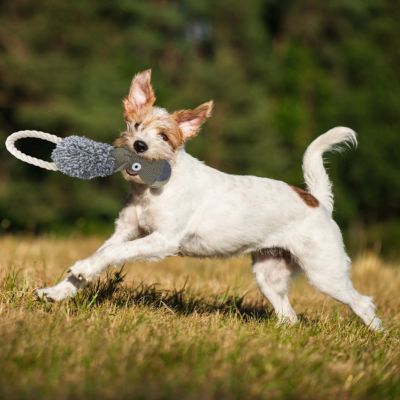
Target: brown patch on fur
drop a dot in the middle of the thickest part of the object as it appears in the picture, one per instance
(308, 198)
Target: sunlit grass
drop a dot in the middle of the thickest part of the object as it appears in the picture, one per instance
(186, 328)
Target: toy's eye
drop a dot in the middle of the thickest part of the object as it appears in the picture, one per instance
(136, 167)
(137, 124)
(164, 137)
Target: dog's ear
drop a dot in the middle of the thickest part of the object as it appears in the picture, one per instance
(190, 121)
(141, 94)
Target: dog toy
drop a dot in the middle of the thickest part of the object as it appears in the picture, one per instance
(83, 158)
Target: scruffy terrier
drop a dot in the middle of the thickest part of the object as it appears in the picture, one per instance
(202, 212)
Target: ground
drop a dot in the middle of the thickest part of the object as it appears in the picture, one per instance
(187, 329)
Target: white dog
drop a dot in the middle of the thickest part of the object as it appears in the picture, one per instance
(203, 212)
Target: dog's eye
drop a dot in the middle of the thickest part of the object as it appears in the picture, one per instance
(137, 124)
(164, 137)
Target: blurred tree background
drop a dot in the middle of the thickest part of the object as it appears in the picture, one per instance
(280, 72)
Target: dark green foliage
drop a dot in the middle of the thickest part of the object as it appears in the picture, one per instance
(280, 72)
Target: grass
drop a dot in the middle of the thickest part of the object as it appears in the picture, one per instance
(187, 329)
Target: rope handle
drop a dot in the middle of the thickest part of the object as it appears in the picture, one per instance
(10, 145)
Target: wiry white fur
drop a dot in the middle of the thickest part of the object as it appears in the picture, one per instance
(315, 176)
(203, 212)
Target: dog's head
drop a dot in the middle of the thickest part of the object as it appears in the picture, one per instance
(153, 132)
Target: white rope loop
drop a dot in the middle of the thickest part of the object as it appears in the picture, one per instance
(10, 145)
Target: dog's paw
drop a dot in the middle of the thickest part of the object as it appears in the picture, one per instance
(287, 320)
(50, 294)
(376, 325)
(65, 289)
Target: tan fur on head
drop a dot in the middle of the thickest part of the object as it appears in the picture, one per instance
(154, 120)
(164, 133)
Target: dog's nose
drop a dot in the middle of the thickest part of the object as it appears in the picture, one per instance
(140, 146)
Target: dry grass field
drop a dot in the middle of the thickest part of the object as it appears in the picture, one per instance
(187, 329)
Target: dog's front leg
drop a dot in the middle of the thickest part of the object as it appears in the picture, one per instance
(126, 228)
(150, 248)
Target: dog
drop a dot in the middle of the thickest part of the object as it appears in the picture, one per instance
(203, 212)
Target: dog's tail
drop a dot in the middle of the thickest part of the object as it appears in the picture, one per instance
(315, 176)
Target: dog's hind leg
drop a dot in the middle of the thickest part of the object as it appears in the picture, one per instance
(327, 267)
(273, 272)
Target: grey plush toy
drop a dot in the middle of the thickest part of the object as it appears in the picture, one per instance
(83, 158)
